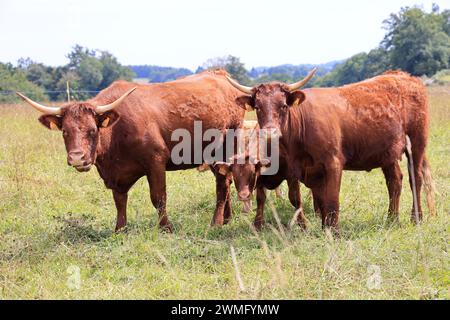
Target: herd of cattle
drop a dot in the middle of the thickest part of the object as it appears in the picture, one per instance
(125, 131)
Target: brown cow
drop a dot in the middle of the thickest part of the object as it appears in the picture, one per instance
(127, 138)
(246, 173)
(360, 126)
(247, 177)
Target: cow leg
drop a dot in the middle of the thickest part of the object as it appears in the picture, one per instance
(260, 202)
(330, 195)
(394, 177)
(157, 182)
(227, 210)
(120, 199)
(317, 202)
(296, 201)
(418, 177)
(223, 183)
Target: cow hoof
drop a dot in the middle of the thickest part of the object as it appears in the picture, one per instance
(258, 225)
(303, 226)
(217, 223)
(166, 228)
(414, 218)
(120, 229)
(336, 232)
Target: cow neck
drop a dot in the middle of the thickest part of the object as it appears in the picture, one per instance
(294, 130)
(104, 144)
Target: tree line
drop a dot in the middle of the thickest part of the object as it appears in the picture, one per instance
(416, 41)
(87, 72)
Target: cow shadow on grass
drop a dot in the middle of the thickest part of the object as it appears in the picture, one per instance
(352, 228)
(80, 228)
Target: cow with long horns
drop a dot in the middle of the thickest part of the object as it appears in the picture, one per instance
(360, 126)
(125, 131)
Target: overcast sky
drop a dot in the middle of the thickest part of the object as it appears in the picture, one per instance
(186, 33)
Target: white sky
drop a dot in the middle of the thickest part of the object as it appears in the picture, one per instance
(186, 33)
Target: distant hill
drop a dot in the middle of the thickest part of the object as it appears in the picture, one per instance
(293, 71)
(151, 73)
(159, 74)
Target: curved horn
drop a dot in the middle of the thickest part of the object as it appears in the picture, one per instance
(240, 87)
(301, 83)
(112, 105)
(40, 107)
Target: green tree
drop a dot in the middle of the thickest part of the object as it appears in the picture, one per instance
(14, 79)
(418, 42)
(38, 73)
(92, 70)
(352, 70)
(112, 70)
(90, 73)
(232, 65)
(280, 77)
(77, 55)
(376, 63)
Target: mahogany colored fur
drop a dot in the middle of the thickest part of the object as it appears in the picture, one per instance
(137, 139)
(360, 126)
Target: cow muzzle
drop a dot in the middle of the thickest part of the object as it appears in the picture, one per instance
(244, 195)
(76, 159)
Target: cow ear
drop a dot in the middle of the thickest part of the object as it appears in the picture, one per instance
(51, 122)
(222, 167)
(295, 98)
(264, 162)
(246, 102)
(107, 119)
(262, 165)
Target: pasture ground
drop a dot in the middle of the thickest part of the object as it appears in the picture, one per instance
(56, 222)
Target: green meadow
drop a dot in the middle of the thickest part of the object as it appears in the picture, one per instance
(57, 239)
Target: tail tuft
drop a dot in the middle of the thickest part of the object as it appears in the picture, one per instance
(430, 188)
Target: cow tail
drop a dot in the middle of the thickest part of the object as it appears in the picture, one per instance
(430, 189)
(428, 182)
(412, 178)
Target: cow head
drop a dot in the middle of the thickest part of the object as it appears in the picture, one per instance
(245, 172)
(80, 123)
(271, 102)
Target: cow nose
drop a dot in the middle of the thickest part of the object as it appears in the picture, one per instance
(75, 158)
(244, 194)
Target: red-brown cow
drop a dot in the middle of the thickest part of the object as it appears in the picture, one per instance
(247, 176)
(361, 126)
(130, 137)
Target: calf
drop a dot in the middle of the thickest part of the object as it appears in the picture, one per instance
(247, 176)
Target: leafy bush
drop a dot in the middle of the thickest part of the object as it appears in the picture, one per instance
(13, 79)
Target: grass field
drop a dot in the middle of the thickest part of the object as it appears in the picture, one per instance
(56, 223)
